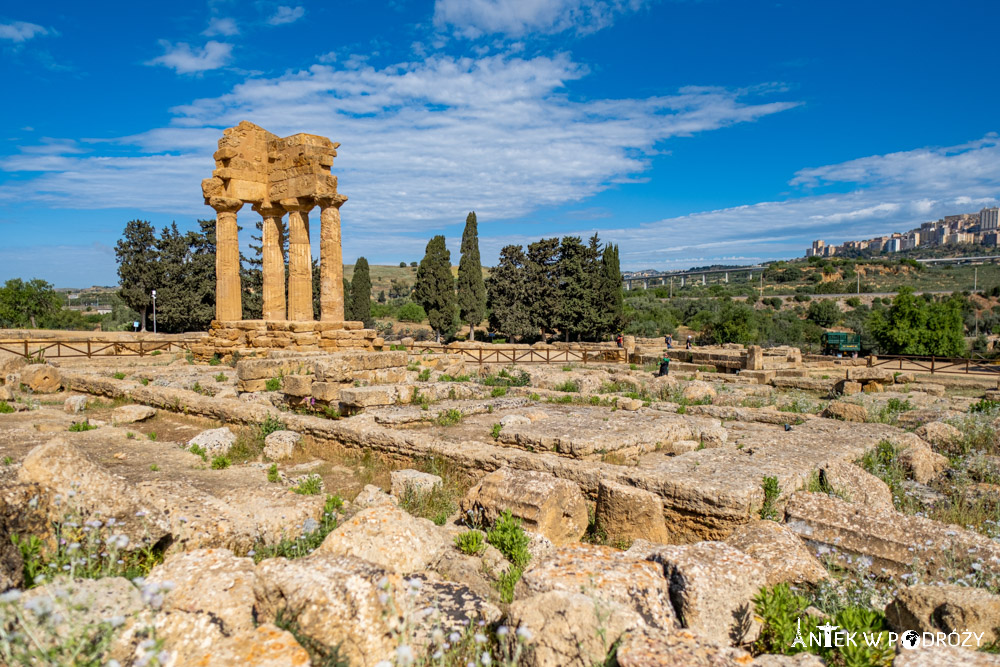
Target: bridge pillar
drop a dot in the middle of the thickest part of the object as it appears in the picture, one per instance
(727, 277)
(682, 281)
(645, 284)
(703, 279)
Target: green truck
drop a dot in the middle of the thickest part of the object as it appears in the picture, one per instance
(840, 342)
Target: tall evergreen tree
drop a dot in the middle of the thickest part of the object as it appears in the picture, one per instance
(348, 302)
(199, 278)
(507, 293)
(574, 283)
(435, 287)
(361, 293)
(611, 291)
(138, 266)
(595, 313)
(542, 285)
(252, 276)
(471, 289)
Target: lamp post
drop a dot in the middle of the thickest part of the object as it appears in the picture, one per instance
(154, 311)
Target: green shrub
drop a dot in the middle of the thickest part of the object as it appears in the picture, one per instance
(6, 408)
(568, 386)
(768, 510)
(221, 377)
(220, 462)
(495, 430)
(424, 375)
(273, 384)
(118, 375)
(984, 405)
(883, 462)
(272, 474)
(411, 312)
(505, 379)
(154, 468)
(313, 534)
(507, 581)
(449, 418)
(270, 425)
(312, 485)
(152, 435)
(214, 361)
(77, 427)
(471, 542)
(437, 504)
(144, 381)
(498, 392)
(509, 538)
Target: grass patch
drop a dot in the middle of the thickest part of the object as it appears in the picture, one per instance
(221, 377)
(568, 386)
(889, 413)
(883, 462)
(151, 436)
(509, 538)
(6, 408)
(449, 418)
(507, 379)
(312, 485)
(272, 384)
(424, 375)
(221, 462)
(497, 392)
(768, 510)
(118, 375)
(313, 534)
(272, 474)
(77, 427)
(495, 430)
(471, 542)
(198, 450)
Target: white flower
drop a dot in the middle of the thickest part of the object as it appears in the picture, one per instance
(502, 631)
(454, 637)
(13, 595)
(486, 659)
(116, 621)
(480, 638)
(524, 633)
(404, 655)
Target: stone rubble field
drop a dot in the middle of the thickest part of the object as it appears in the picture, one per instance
(386, 508)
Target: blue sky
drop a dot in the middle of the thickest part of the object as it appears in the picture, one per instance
(689, 132)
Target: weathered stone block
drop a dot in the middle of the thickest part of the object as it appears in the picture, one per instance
(419, 482)
(297, 385)
(626, 513)
(784, 556)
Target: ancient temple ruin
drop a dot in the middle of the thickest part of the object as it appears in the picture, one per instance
(278, 175)
(275, 176)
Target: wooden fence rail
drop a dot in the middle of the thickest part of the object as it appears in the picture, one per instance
(517, 355)
(934, 364)
(49, 349)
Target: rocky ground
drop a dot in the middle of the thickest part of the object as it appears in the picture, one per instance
(153, 513)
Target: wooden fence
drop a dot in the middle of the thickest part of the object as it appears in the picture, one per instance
(517, 355)
(55, 349)
(935, 364)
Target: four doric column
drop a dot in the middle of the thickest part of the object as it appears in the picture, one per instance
(300, 294)
(331, 260)
(273, 262)
(228, 297)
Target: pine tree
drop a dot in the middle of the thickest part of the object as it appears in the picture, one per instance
(361, 293)
(172, 295)
(471, 289)
(199, 277)
(595, 319)
(574, 283)
(435, 287)
(138, 266)
(507, 294)
(542, 288)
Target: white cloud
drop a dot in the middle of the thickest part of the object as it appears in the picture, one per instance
(515, 18)
(422, 143)
(20, 31)
(185, 60)
(287, 15)
(221, 26)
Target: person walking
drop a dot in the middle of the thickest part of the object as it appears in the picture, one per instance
(664, 364)
(669, 340)
(619, 340)
(688, 344)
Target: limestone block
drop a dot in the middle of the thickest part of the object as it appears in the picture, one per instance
(660, 648)
(712, 586)
(7, 391)
(214, 441)
(130, 414)
(938, 655)
(389, 537)
(851, 388)
(212, 581)
(755, 358)
(11, 363)
(698, 391)
(630, 404)
(372, 496)
(251, 385)
(41, 378)
(72, 404)
(894, 542)
(607, 575)
(328, 392)
(873, 388)
(939, 434)
(922, 463)
(928, 388)
(297, 385)
(419, 482)
(848, 412)
(863, 373)
(856, 485)
(264, 646)
(567, 631)
(784, 556)
(281, 445)
(364, 397)
(547, 504)
(335, 599)
(945, 608)
(627, 513)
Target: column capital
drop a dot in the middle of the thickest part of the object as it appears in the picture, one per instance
(300, 204)
(269, 210)
(225, 204)
(326, 201)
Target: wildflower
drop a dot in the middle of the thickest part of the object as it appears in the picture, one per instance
(383, 598)
(116, 621)
(480, 638)
(251, 553)
(502, 631)
(486, 659)
(414, 583)
(404, 655)
(309, 526)
(13, 595)
(141, 513)
(39, 606)
(74, 546)
(119, 541)
(524, 633)
(454, 637)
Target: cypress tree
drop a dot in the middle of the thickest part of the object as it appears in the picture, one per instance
(611, 288)
(361, 292)
(138, 266)
(471, 289)
(348, 302)
(435, 287)
(574, 283)
(252, 276)
(507, 292)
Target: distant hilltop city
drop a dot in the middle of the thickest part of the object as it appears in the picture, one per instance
(967, 228)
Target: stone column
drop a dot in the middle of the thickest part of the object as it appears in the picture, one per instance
(273, 263)
(331, 260)
(228, 296)
(300, 295)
